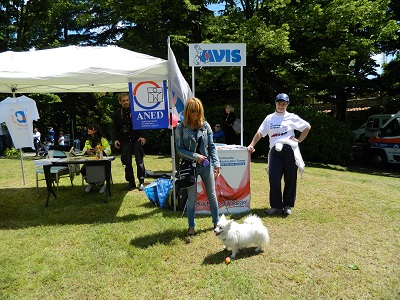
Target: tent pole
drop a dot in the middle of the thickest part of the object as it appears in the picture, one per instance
(241, 105)
(22, 165)
(14, 89)
(72, 132)
(193, 87)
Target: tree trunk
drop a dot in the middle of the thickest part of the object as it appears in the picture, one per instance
(341, 106)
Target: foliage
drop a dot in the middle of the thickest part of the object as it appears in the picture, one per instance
(330, 141)
(332, 45)
(71, 111)
(313, 50)
(9, 152)
(390, 79)
(158, 141)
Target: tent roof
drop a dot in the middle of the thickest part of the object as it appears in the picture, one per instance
(77, 69)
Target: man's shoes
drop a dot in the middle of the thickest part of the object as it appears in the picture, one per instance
(130, 186)
(141, 187)
(102, 189)
(89, 188)
(274, 211)
(287, 211)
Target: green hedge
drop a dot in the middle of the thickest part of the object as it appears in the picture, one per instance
(329, 142)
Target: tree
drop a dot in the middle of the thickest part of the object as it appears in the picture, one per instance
(22, 22)
(313, 49)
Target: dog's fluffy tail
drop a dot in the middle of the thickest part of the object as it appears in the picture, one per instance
(252, 219)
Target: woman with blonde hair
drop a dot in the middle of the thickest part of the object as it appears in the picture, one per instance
(194, 142)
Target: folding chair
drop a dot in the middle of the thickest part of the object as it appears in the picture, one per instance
(58, 172)
(95, 174)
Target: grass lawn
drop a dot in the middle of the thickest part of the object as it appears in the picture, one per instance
(342, 241)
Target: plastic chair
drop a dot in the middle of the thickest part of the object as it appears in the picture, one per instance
(96, 174)
(58, 172)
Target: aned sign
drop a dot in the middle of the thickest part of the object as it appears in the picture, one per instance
(149, 105)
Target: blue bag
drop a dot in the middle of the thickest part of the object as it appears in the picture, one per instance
(158, 191)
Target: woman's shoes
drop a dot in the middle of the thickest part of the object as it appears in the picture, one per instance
(191, 233)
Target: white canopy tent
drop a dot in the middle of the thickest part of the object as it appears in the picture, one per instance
(77, 69)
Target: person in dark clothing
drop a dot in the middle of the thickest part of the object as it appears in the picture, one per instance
(130, 142)
(50, 135)
(230, 117)
(84, 135)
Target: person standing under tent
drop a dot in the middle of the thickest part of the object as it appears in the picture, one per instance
(36, 140)
(50, 135)
(284, 156)
(3, 140)
(229, 118)
(84, 135)
(130, 141)
(194, 142)
(61, 139)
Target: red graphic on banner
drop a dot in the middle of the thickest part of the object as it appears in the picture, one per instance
(226, 195)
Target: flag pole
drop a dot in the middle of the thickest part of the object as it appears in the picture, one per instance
(173, 175)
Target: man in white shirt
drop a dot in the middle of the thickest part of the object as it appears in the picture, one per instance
(61, 139)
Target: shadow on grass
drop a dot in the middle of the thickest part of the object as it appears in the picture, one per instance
(164, 237)
(391, 170)
(219, 257)
(21, 207)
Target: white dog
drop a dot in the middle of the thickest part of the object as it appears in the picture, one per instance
(236, 236)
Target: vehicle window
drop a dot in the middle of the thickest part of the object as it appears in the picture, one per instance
(376, 123)
(392, 129)
(369, 123)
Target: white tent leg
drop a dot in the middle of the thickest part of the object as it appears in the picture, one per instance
(22, 165)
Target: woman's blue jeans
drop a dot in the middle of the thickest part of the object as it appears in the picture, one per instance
(207, 175)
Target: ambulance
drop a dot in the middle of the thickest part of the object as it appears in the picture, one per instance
(384, 146)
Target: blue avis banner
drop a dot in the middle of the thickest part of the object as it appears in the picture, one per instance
(149, 105)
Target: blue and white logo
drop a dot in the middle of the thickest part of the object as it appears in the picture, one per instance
(213, 55)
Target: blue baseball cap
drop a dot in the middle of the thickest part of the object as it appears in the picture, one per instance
(282, 97)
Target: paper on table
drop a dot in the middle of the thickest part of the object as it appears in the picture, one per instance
(42, 162)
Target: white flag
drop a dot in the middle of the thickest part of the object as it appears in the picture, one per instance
(180, 89)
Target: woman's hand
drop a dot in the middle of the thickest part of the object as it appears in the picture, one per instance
(201, 159)
(90, 151)
(142, 141)
(217, 171)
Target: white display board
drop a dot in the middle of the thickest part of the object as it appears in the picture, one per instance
(217, 55)
(232, 186)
